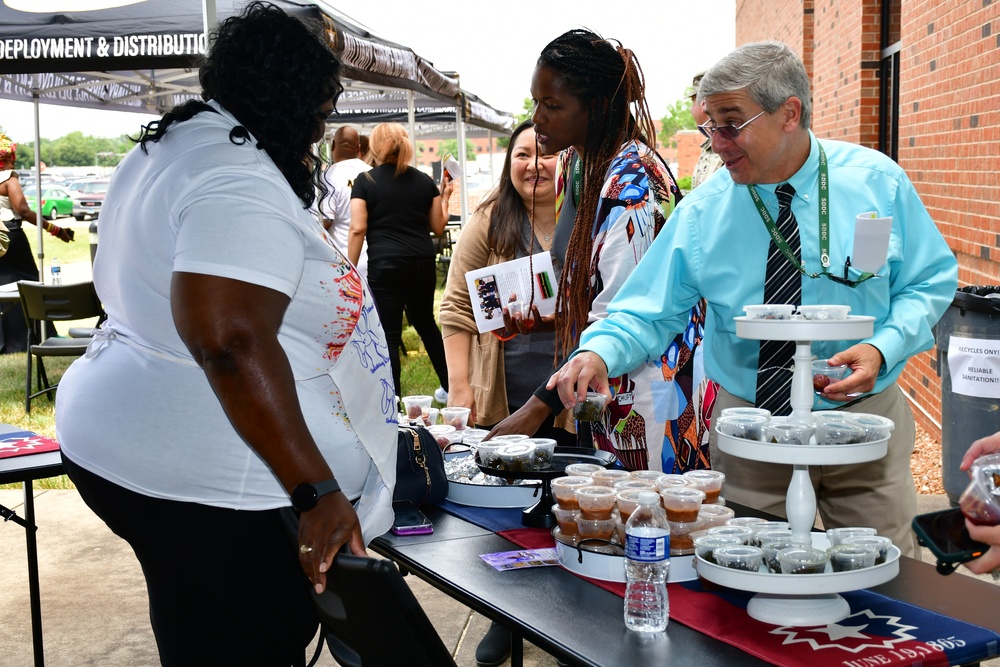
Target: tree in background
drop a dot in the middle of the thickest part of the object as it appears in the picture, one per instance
(450, 147)
(74, 150)
(528, 109)
(677, 118)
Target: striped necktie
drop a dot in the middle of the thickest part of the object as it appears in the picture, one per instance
(782, 284)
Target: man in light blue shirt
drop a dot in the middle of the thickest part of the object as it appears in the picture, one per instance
(715, 245)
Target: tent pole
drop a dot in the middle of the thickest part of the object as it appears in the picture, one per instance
(460, 124)
(489, 151)
(411, 123)
(39, 219)
(209, 19)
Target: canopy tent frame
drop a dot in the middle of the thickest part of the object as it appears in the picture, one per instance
(143, 57)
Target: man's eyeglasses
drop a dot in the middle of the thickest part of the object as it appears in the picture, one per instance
(727, 132)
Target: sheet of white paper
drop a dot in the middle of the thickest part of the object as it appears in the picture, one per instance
(452, 166)
(974, 364)
(493, 288)
(871, 242)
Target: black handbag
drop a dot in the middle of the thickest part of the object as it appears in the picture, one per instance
(420, 476)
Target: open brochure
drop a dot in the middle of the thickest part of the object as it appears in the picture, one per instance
(509, 285)
(452, 167)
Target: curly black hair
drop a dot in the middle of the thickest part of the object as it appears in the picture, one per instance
(273, 72)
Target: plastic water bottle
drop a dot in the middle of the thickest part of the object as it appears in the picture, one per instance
(56, 271)
(647, 563)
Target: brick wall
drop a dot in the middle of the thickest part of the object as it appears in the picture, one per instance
(949, 117)
(686, 152)
(782, 20)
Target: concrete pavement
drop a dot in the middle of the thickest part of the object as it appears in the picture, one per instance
(93, 596)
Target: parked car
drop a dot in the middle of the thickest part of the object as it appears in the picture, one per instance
(88, 198)
(56, 200)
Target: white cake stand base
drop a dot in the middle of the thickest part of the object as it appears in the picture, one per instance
(798, 611)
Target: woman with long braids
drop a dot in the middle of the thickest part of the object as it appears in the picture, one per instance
(242, 369)
(589, 98)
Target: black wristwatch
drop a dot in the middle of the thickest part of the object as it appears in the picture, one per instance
(305, 496)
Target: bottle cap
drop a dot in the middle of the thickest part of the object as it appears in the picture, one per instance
(648, 498)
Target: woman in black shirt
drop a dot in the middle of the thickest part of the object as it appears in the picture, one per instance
(394, 207)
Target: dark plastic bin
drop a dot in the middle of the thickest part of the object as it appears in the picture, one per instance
(975, 313)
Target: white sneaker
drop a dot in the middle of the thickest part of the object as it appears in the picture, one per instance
(440, 395)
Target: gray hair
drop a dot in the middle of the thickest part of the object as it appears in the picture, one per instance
(770, 72)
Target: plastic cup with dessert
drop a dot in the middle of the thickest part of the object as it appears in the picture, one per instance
(848, 557)
(822, 312)
(627, 500)
(876, 427)
(566, 519)
(803, 560)
(672, 481)
(456, 416)
(786, 433)
(682, 504)
(770, 311)
(602, 529)
(416, 407)
(714, 515)
(839, 433)
(596, 502)
(880, 543)
(591, 408)
(564, 490)
(583, 469)
(838, 535)
(824, 374)
(609, 476)
(980, 501)
(750, 427)
(739, 557)
(545, 450)
(709, 481)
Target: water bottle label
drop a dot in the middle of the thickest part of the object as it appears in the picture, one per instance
(647, 549)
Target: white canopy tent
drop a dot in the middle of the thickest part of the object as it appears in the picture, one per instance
(142, 56)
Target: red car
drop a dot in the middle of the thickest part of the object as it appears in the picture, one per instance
(88, 198)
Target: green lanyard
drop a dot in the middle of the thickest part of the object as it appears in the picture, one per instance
(824, 230)
(577, 179)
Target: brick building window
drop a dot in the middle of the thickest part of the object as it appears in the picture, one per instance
(891, 43)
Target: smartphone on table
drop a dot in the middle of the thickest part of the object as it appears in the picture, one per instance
(410, 521)
(944, 533)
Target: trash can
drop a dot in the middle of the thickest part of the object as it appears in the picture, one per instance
(968, 354)
(93, 241)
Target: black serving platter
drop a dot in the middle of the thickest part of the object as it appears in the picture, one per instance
(540, 514)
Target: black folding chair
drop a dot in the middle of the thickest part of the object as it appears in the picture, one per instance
(53, 303)
(369, 617)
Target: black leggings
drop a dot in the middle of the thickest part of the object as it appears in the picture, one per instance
(225, 586)
(408, 284)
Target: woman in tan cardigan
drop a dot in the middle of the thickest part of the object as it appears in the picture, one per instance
(489, 376)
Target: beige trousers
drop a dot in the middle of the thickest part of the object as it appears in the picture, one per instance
(879, 494)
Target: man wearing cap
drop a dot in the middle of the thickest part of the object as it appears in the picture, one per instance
(708, 161)
(788, 216)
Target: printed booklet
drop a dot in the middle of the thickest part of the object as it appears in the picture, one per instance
(509, 285)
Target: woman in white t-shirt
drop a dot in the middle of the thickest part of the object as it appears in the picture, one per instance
(215, 392)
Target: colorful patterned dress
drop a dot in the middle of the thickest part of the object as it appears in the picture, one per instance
(651, 423)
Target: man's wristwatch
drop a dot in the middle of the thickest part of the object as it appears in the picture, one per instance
(305, 496)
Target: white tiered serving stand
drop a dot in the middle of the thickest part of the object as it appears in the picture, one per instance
(804, 599)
